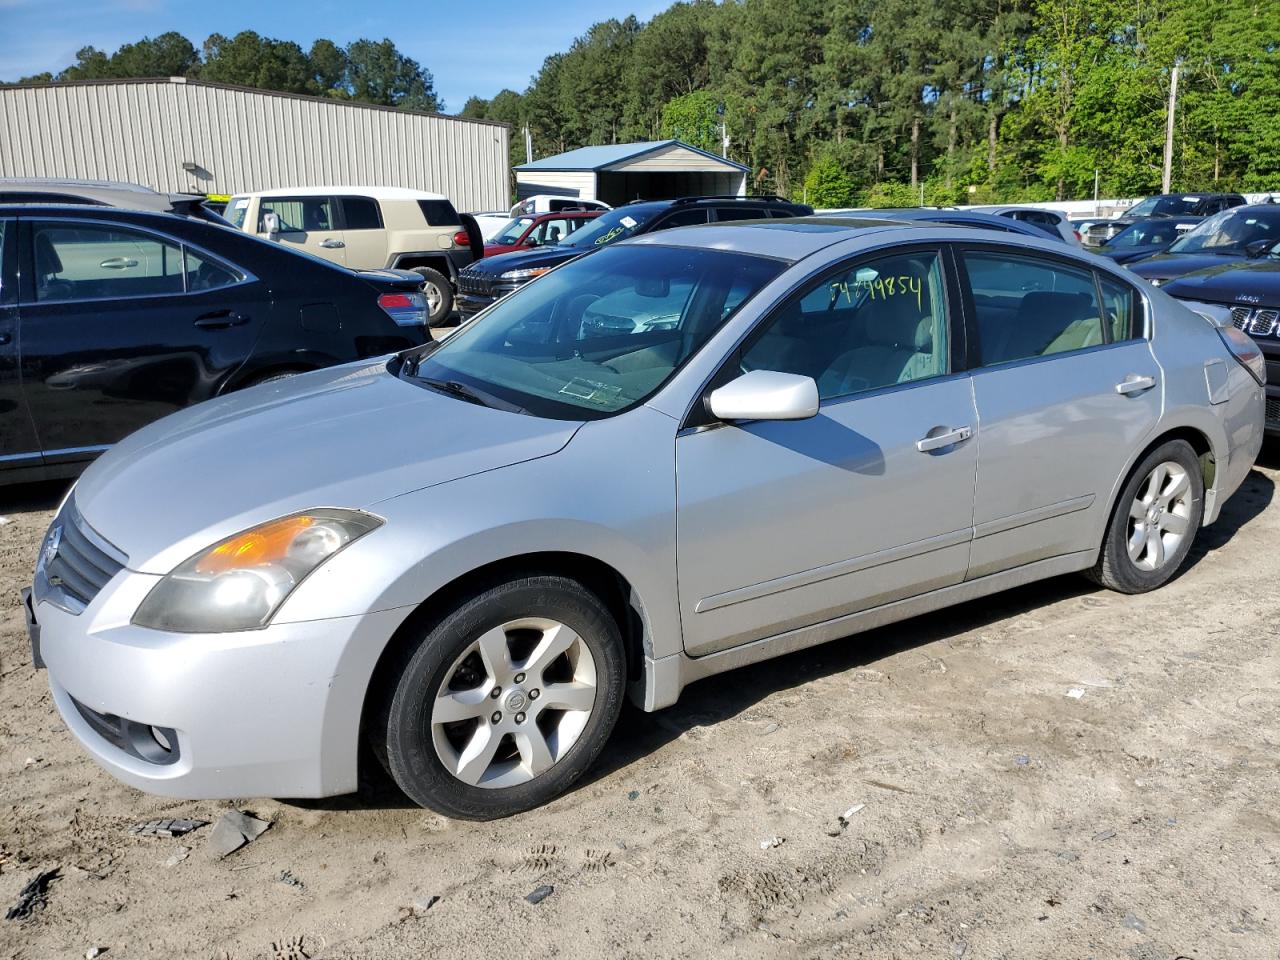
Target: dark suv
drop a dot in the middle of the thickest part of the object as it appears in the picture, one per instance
(492, 278)
(1163, 205)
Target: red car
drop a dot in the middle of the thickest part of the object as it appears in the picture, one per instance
(537, 230)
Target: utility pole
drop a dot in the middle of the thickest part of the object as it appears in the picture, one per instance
(528, 145)
(1167, 182)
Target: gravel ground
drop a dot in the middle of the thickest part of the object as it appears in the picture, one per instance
(995, 815)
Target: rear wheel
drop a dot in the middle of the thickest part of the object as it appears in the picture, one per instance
(439, 294)
(506, 702)
(1154, 522)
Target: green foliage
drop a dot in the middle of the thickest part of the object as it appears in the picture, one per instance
(692, 118)
(1019, 99)
(828, 185)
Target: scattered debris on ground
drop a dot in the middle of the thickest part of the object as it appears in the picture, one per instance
(166, 828)
(34, 896)
(287, 877)
(541, 893)
(178, 856)
(233, 830)
(770, 843)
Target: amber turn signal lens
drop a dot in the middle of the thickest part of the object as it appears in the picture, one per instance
(260, 545)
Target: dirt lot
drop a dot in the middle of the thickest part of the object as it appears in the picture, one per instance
(1002, 817)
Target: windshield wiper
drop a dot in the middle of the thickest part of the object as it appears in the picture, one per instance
(471, 394)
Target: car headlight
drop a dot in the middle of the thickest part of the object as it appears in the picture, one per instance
(239, 584)
(527, 274)
(1155, 281)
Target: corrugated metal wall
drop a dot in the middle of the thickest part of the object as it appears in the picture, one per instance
(144, 131)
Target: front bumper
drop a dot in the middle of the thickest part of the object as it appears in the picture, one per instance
(1271, 353)
(273, 712)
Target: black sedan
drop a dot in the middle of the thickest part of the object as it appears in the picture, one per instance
(112, 318)
(1238, 234)
(1146, 238)
(1246, 295)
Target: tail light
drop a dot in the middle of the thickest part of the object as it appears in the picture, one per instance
(460, 239)
(406, 309)
(1079, 239)
(1246, 351)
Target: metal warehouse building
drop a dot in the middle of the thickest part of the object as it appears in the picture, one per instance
(178, 135)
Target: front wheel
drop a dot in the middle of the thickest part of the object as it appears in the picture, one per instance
(506, 701)
(439, 294)
(1154, 522)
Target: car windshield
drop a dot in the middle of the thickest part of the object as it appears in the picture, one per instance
(1229, 232)
(1148, 233)
(510, 234)
(610, 227)
(237, 207)
(1163, 206)
(598, 335)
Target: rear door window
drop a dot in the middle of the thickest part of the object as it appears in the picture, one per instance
(1028, 307)
(684, 218)
(361, 213)
(1121, 308)
(298, 214)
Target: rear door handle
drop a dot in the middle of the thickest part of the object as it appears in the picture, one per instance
(220, 320)
(1134, 384)
(949, 438)
(332, 244)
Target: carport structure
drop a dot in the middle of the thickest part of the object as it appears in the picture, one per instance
(622, 172)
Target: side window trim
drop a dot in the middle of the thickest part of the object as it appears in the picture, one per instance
(27, 294)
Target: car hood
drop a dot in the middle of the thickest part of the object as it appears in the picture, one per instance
(1252, 283)
(1166, 266)
(524, 260)
(1128, 254)
(348, 436)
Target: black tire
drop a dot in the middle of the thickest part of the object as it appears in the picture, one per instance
(273, 377)
(401, 732)
(1115, 569)
(444, 306)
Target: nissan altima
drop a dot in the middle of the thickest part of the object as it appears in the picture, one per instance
(691, 451)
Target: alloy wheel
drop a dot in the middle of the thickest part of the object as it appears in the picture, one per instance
(1160, 516)
(513, 703)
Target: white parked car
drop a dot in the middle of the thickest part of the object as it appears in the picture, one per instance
(548, 203)
(491, 222)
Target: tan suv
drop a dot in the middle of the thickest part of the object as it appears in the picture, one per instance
(365, 228)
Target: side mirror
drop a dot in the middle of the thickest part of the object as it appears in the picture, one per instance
(766, 395)
(532, 242)
(1257, 248)
(271, 222)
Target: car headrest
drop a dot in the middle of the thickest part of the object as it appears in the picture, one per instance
(47, 260)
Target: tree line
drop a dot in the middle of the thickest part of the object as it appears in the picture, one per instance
(854, 102)
(367, 71)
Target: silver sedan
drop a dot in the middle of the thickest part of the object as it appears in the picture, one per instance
(689, 452)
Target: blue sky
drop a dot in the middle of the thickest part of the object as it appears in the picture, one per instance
(470, 46)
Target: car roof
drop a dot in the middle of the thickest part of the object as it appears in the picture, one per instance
(45, 183)
(378, 193)
(795, 238)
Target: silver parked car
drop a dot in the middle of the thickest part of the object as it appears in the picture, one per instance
(686, 453)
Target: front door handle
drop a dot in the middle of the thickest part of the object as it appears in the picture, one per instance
(948, 438)
(332, 244)
(1134, 383)
(220, 320)
(118, 263)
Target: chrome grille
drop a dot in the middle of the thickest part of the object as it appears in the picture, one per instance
(83, 563)
(1240, 317)
(1273, 411)
(469, 282)
(1264, 322)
